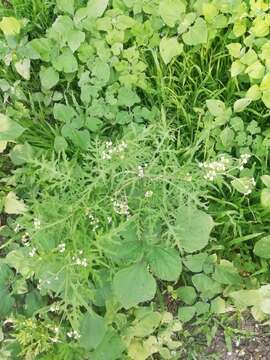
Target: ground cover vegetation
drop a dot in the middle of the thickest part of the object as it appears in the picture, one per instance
(135, 183)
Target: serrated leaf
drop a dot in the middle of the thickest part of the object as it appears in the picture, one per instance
(48, 77)
(133, 285)
(193, 228)
(170, 48)
(165, 263)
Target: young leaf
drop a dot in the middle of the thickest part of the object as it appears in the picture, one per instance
(170, 48)
(133, 285)
(193, 228)
(48, 77)
(186, 313)
(241, 104)
(165, 263)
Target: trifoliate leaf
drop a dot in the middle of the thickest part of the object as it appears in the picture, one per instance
(10, 26)
(133, 285)
(13, 205)
(170, 48)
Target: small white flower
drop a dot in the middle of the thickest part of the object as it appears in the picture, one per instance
(18, 228)
(148, 194)
(140, 171)
(32, 253)
(121, 207)
(84, 262)
(61, 247)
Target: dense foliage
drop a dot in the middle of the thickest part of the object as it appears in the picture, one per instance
(135, 183)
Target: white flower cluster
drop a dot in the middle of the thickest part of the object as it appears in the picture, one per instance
(61, 247)
(79, 260)
(140, 171)
(215, 168)
(121, 207)
(55, 307)
(94, 221)
(244, 160)
(73, 334)
(111, 150)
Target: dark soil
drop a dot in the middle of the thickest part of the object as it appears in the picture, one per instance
(255, 346)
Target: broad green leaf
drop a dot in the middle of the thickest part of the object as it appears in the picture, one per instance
(171, 11)
(265, 306)
(253, 93)
(96, 8)
(23, 68)
(260, 27)
(239, 27)
(245, 298)
(9, 129)
(3, 146)
(218, 305)
(197, 33)
(101, 71)
(206, 286)
(256, 70)
(237, 68)
(266, 180)
(80, 138)
(75, 39)
(226, 273)
(145, 325)
(64, 113)
(186, 313)
(40, 49)
(66, 62)
(6, 304)
(110, 348)
(187, 294)
(170, 48)
(165, 263)
(21, 154)
(19, 260)
(13, 205)
(66, 6)
(195, 262)
(210, 11)
(235, 49)
(127, 97)
(202, 307)
(216, 107)
(265, 84)
(10, 26)
(33, 302)
(266, 98)
(92, 330)
(227, 137)
(60, 144)
(262, 247)
(48, 77)
(193, 228)
(133, 285)
(249, 58)
(241, 104)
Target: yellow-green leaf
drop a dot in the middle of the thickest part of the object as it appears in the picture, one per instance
(10, 26)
